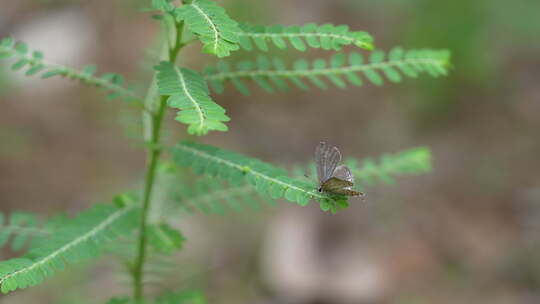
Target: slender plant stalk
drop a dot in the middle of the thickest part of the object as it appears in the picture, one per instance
(154, 152)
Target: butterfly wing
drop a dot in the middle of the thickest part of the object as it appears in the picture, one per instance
(326, 158)
(348, 192)
(333, 184)
(341, 182)
(341, 187)
(343, 172)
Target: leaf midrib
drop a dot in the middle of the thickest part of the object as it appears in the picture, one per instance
(70, 72)
(190, 97)
(71, 244)
(251, 170)
(290, 35)
(210, 22)
(325, 71)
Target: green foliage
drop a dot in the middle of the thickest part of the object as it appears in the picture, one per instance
(183, 297)
(209, 195)
(21, 226)
(384, 170)
(409, 162)
(163, 238)
(326, 37)
(169, 297)
(36, 65)
(188, 92)
(162, 5)
(80, 238)
(119, 301)
(271, 74)
(235, 168)
(245, 182)
(212, 196)
(211, 24)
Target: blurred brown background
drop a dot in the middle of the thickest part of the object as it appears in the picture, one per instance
(465, 233)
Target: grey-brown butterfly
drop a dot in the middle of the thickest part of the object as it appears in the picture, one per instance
(333, 178)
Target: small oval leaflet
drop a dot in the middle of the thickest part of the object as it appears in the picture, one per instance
(333, 179)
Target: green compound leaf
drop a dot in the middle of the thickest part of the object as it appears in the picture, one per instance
(35, 64)
(188, 92)
(385, 169)
(408, 162)
(326, 36)
(20, 227)
(273, 74)
(163, 238)
(209, 195)
(211, 24)
(76, 240)
(235, 168)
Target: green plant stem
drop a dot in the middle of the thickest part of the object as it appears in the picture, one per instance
(153, 158)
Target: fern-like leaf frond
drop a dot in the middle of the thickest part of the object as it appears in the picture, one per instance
(35, 64)
(385, 170)
(163, 238)
(211, 24)
(78, 239)
(235, 168)
(209, 195)
(21, 226)
(326, 37)
(408, 162)
(213, 196)
(189, 93)
(271, 74)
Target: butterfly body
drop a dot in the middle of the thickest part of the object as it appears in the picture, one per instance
(333, 179)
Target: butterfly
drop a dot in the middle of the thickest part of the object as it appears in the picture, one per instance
(333, 179)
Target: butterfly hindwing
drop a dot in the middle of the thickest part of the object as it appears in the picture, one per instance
(343, 172)
(333, 184)
(348, 192)
(339, 186)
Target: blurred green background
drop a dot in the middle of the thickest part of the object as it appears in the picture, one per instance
(465, 233)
